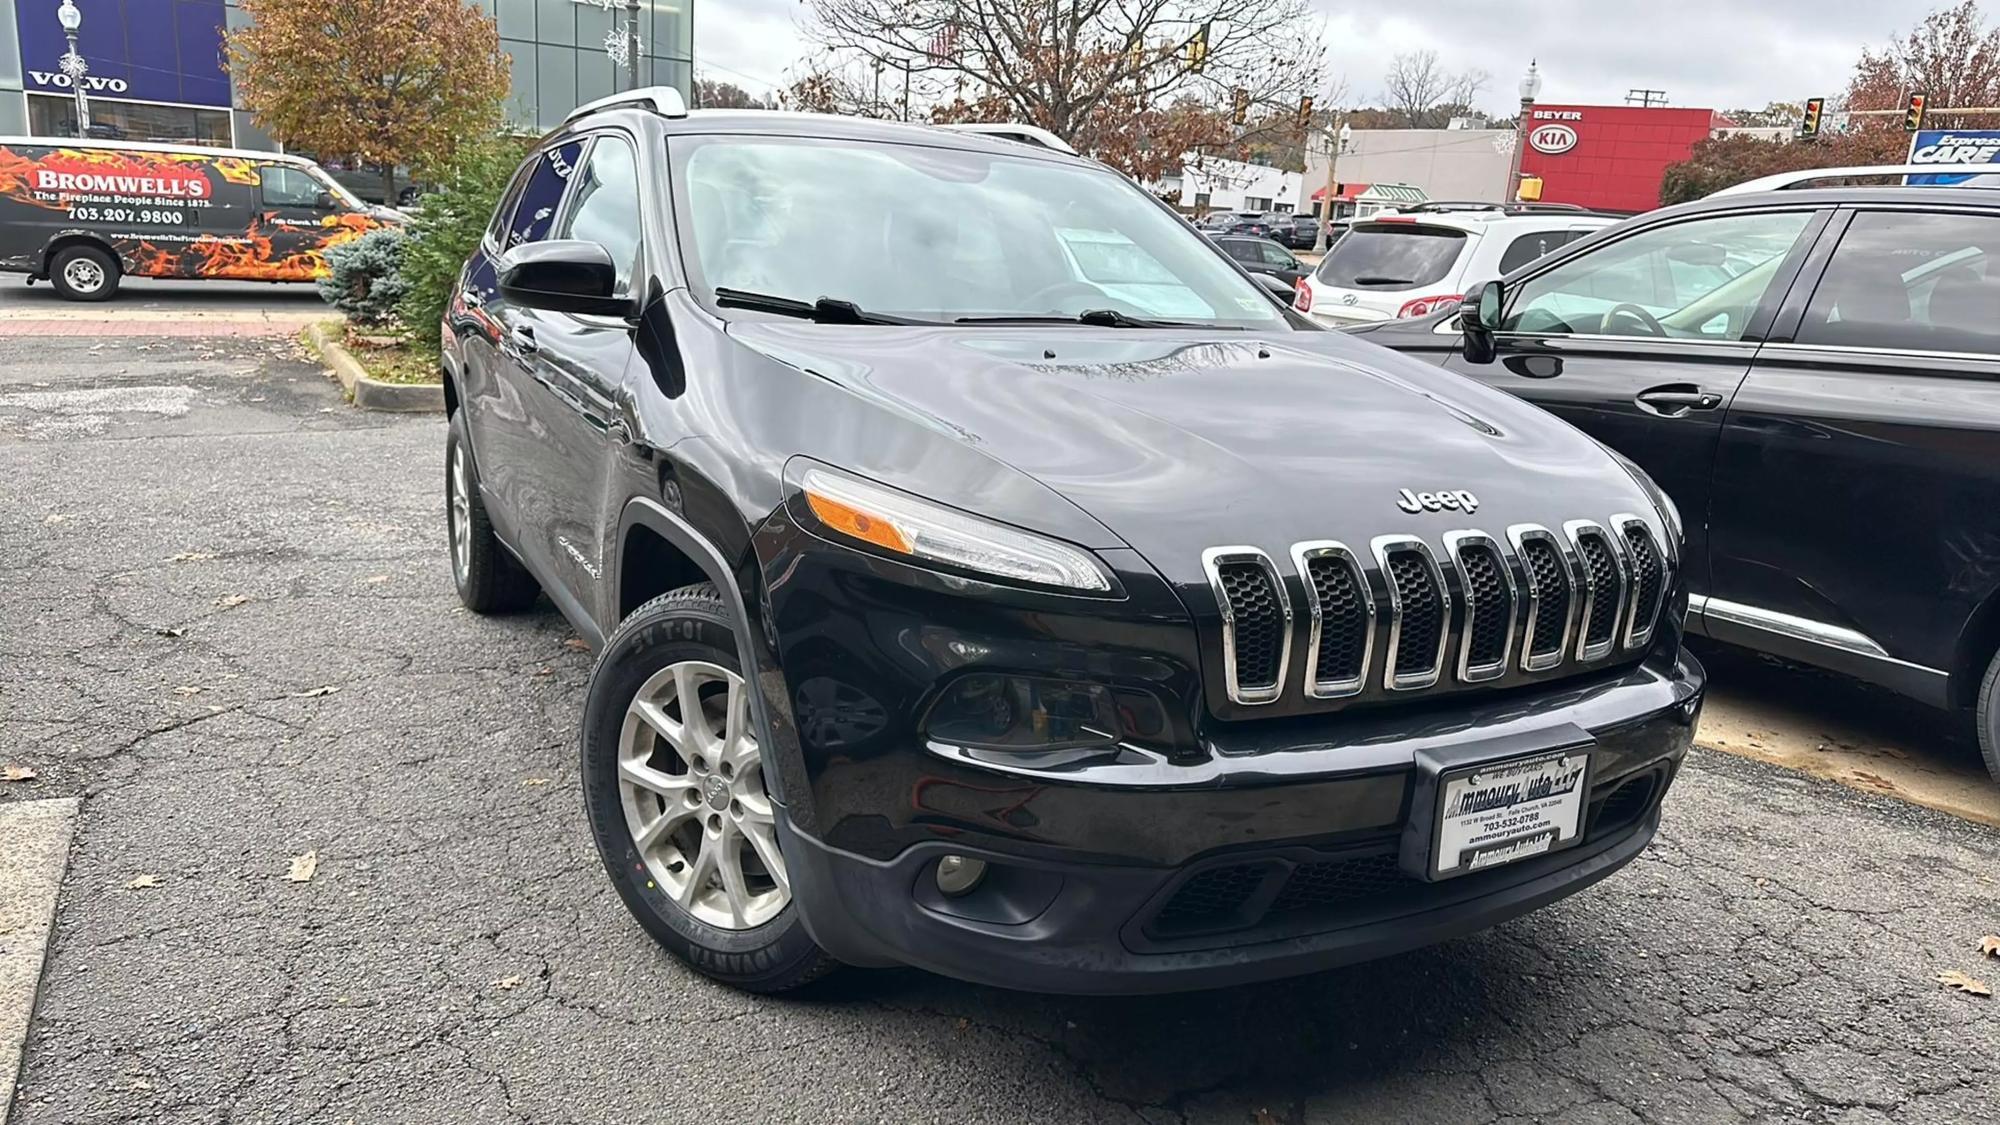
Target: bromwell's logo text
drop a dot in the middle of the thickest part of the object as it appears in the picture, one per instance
(159, 184)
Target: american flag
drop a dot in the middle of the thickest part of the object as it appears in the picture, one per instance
(943, 42)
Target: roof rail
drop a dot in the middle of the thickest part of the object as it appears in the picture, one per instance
(1807, 175)
(663, 100)
(1024, 134)
(1488, 205)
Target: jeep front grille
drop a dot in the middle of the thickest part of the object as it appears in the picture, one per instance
(1256, 622)
(1395, 619)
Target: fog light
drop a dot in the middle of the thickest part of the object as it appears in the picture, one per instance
(959, 874)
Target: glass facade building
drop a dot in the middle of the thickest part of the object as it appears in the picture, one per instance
(156, 69)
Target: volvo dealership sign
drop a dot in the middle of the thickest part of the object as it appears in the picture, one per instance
(142, 50)
(1954, 147)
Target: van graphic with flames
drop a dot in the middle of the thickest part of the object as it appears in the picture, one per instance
(84, 215)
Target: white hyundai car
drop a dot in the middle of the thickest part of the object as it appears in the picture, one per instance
(1412, 263)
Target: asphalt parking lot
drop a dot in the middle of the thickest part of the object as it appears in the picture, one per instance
(227, 625)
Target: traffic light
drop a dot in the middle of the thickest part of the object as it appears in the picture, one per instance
(1240, 105)
(1913, 117)
(1197, 51)
(1809, 125)
(1305, 111)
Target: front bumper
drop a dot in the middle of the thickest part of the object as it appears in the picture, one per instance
(1274, 866)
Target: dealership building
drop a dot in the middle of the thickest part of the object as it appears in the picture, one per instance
(156, 69)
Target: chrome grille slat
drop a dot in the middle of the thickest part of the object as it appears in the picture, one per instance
(1256, 622)
(1419, 612)
(1340, 638)
(1600, 575)
(1486, 638)
(1648, 567)
(1551, 594)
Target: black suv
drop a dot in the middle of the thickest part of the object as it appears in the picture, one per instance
(988, 576)
(1814, 376)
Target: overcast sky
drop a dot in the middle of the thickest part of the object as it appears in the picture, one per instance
(1718, 54)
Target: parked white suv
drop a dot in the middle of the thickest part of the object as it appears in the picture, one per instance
(1414, 262)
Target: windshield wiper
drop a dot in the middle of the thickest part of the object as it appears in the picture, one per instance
(1371, 279)
(1100, 318)
(825, 310)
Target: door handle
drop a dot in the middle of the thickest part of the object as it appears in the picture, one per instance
(523, 339)
(1675, 400)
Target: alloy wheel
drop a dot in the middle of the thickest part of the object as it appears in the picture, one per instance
(461, 515)
(692, 787)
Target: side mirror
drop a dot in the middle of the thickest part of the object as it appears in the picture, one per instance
(323, 201)
(1479, 319)
(1279, 287)
(563, 275)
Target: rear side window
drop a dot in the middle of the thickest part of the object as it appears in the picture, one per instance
(1392, 256)
(1275, 255)
(1527, 247)
(535, 214)
(1911, 282)
(1241, 251)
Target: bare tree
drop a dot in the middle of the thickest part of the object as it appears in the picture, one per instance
(1422, 94)
(715, 93)
(1137, 83)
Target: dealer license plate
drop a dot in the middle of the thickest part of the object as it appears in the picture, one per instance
(1501, 813)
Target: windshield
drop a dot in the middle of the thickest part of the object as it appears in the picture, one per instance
(1391, 256)
(938, 234)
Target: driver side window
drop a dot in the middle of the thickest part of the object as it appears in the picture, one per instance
(1697, 280)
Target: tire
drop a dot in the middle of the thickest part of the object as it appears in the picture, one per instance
(748, 936)
(81, 272)
(489, 578)
(1987, 715)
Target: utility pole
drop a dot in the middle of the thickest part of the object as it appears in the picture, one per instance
(1644, 98)
(72, 64)
(906, 89)
(1531, 88)
(875, 100)
(632, 39)
(1336, 143)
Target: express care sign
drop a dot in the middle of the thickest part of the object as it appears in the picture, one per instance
(1608, 157)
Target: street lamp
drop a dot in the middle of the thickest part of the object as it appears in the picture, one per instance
(1531, 88)
(72, 64)
(1337, 143)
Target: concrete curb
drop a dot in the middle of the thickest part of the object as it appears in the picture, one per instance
(366, 392)
(38, 837)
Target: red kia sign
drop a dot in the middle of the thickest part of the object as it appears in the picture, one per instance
(1610, 157)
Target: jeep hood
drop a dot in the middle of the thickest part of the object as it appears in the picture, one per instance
(1179, 441)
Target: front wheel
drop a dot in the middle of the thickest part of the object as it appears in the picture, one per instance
(1987, 715)
(674, 787)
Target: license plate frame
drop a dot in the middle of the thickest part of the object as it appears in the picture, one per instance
(1436, 845)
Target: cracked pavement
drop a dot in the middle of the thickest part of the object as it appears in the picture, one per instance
(459, 957)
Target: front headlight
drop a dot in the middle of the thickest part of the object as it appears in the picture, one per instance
(902, 524)
(1669, 512)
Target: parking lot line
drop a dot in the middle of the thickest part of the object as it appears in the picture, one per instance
(37, 835)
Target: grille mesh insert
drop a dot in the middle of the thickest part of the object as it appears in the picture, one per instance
(1648, 574)
(1423, 614)
(1552, 586)
(1603, 571)
(1486, 582)
(1260, 622)
(1343, 627)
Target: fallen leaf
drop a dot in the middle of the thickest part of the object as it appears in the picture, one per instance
(577, 644)
(191, 556)
(170, 631)
(545, 670)
(303, 867)
(315, 693)
(1874, 781)
(142, 882)
(12, 772)
(1264, 1117)
(376, 578)
(531, 781)
(187, 689)
(508, 983)
(231, 601)
(1971, 986)
(1990, 945)
(963, 1023)
(57, 518)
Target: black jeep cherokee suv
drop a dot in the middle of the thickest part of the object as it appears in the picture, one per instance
(988, 576)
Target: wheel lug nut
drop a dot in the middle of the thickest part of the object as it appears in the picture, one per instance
(715, 824)
(700, 764)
